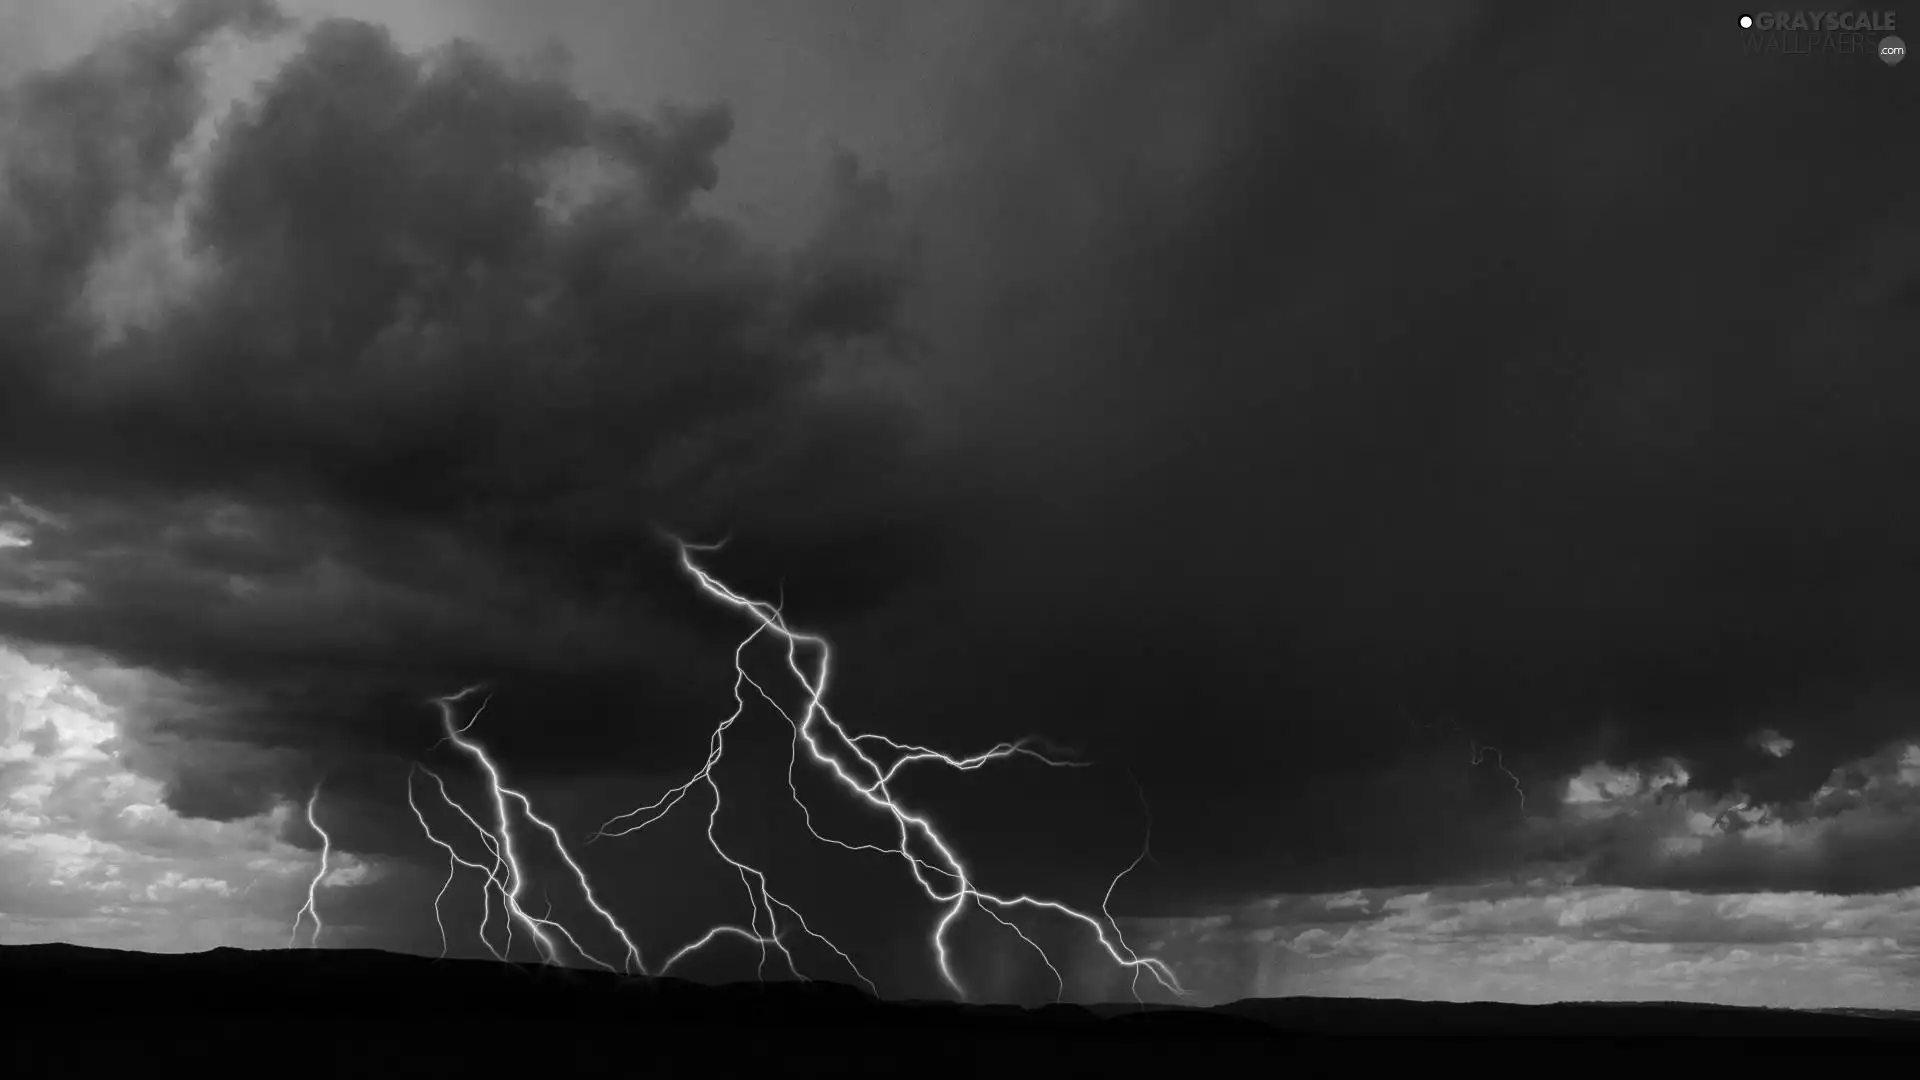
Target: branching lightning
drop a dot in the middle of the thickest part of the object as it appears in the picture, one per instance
(455, 862)
(959, 889)
(507, 876)
(313, 887)
(772, 922)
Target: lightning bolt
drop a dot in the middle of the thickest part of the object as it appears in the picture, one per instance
(507, 877)
(759, 898)
(1146, 852)
(771, 921)
(1479, 757)
(313, 887)
(1477, 753)
(455, 862)
(956, 890)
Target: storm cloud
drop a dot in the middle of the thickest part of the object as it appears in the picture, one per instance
(1423, 445)
(446, 348)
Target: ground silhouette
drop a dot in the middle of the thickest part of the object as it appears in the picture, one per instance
(78, 1011)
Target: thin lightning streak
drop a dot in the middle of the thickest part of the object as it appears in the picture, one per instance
(1146, 852)
(633, 959)
(508, 875)
(703, 940)
(452, 731)
(1478, 752)
(454, 862)
(495, 874)
(875, 792)
(1479, 757)
(1060, 981)
(313, 887)
(759, 898)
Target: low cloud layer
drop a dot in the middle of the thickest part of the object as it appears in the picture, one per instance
(1541, 940)
(90, 852)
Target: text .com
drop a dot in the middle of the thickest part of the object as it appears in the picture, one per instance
(1823, 33)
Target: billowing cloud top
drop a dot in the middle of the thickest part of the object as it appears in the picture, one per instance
(404, 361)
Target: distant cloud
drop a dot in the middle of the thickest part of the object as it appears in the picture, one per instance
(90, 853)
(1772, 743)
(1634, 825)
(1560, 942)
(1601, 783)
(1355, 899)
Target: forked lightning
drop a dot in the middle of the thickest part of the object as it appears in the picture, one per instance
(772, 921)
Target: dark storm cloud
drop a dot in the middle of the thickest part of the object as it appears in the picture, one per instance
(1317, 378)
(460, 343)
(82, 141)
(397, 323)
(1529, 368)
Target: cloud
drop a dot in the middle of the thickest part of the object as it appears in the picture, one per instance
(1260, 377)
(1647, 828)
(1545, 940)
(1601, 783)
(393, 321)
(1315, 391)
(397, 420)
(91, 852)
(1353, 899)
(1772, 743)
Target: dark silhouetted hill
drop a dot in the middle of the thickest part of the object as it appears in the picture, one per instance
(74, 1011)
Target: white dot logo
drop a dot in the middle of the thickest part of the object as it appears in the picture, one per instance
(1746, 22)
(1892, 50)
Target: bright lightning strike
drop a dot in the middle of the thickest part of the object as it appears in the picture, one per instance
(958, 890)
(313, 887)
(507, 876)
(759, 898)
(455, 862)
(771, 920)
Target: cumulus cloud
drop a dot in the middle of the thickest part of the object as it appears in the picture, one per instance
(393, 321)
(1644, 826)
(1601, 784)
(90, 851)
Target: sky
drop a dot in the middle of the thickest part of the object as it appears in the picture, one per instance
(1440, 467)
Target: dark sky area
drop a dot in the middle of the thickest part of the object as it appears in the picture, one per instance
(1276, 403)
